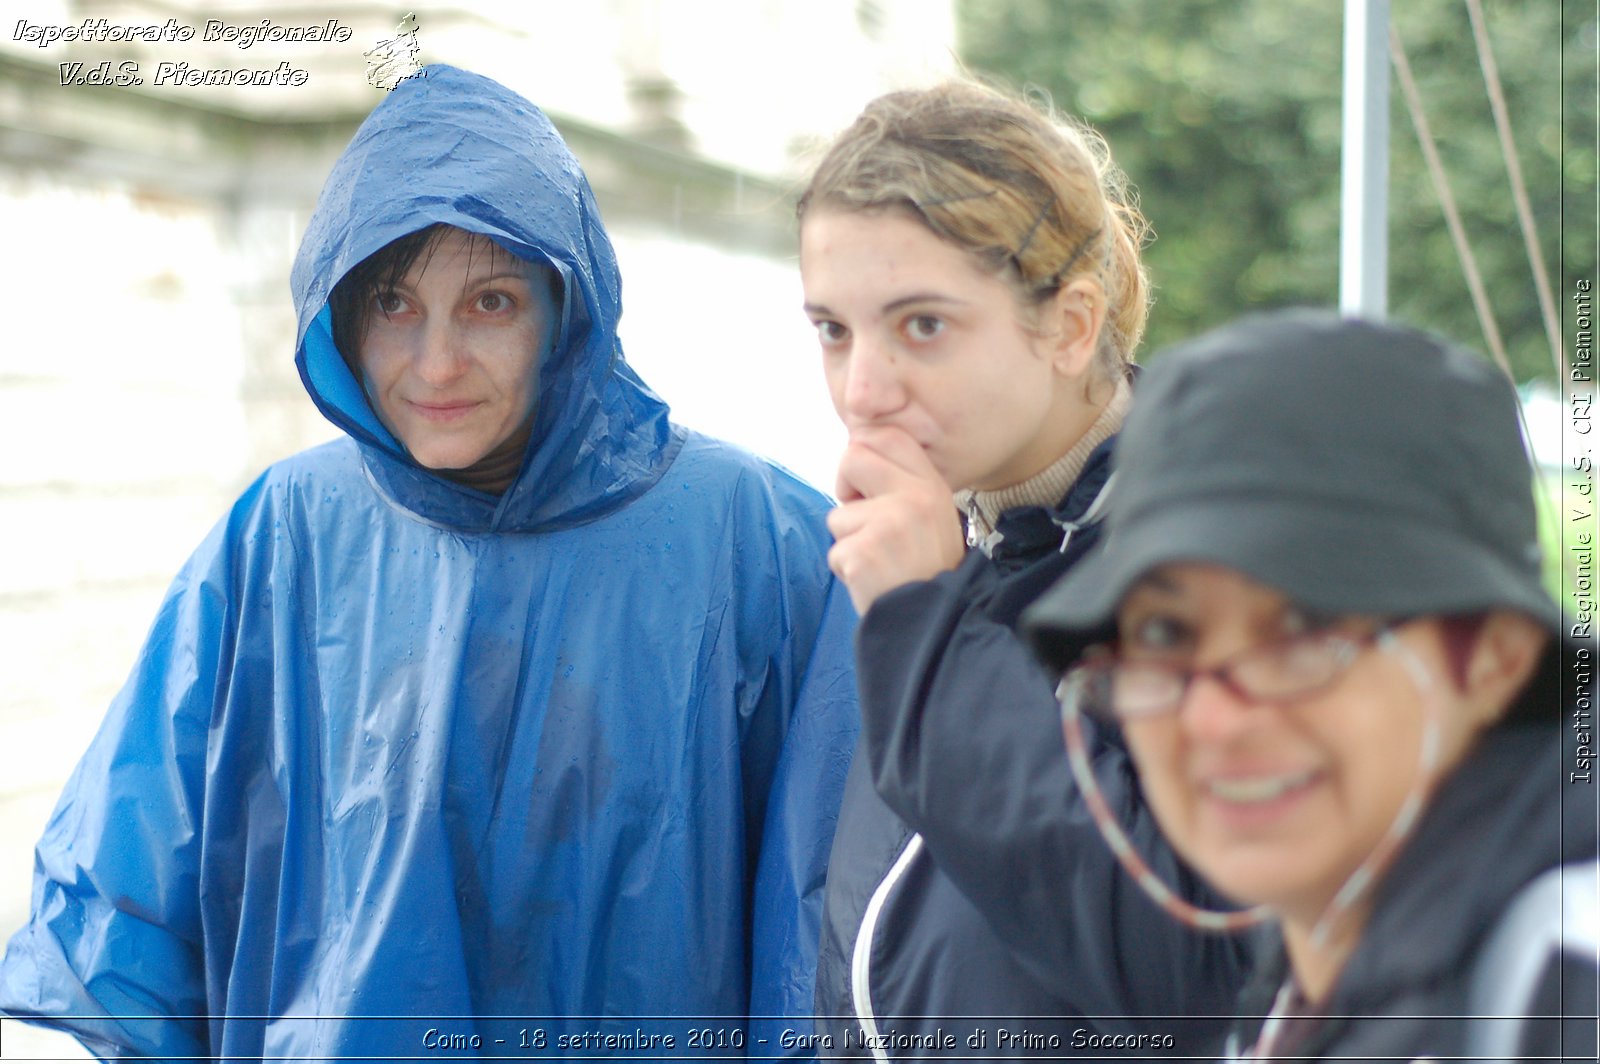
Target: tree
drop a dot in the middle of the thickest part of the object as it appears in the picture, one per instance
(1226, 116)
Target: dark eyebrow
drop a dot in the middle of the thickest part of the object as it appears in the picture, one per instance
(922, 297)
(500, 275)
(1155, 580)
(400, 284)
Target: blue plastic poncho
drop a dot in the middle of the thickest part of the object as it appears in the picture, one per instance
(406, 767)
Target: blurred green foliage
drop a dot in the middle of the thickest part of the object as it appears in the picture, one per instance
(1226, 116)
(1559, 565)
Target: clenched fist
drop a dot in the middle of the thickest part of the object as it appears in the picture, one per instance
(895, 522)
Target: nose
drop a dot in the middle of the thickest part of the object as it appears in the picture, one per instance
(439, 360)
(1212, 710)
(872, 385)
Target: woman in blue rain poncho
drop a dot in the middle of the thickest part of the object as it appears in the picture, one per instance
(515, 721)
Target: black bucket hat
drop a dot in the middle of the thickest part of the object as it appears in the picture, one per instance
(1355, 467)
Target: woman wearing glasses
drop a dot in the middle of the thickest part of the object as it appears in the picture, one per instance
(973, 271)
(1340, 679)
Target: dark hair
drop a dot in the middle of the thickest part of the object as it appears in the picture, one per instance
(1460, 633)
(1541, 696)
(353, 297)
(1546, 695)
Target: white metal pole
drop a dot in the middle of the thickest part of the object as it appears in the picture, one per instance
(1364, 179)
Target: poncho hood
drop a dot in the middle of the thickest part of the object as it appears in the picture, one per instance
(456, 148)
(395, 775)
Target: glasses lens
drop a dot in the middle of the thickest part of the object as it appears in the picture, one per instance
(1144, 689)
(1112, 689)
(1293, 667)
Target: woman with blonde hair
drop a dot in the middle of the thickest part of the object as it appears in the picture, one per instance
(972, 266)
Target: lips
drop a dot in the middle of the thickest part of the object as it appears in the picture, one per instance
(1256, 790)
(442, 412)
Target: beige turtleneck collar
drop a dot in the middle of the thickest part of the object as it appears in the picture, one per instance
(1049, 487)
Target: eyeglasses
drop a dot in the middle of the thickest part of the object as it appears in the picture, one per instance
(1279, 672)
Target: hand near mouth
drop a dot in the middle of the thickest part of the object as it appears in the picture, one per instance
(895, 522)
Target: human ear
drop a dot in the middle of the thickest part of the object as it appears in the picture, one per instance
(1072, 320)
(1503, 658)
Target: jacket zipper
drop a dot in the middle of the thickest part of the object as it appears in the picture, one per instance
(861, 955)
(1090, 516)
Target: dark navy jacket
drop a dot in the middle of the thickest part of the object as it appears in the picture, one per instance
(1509, 812)
(970, 895)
